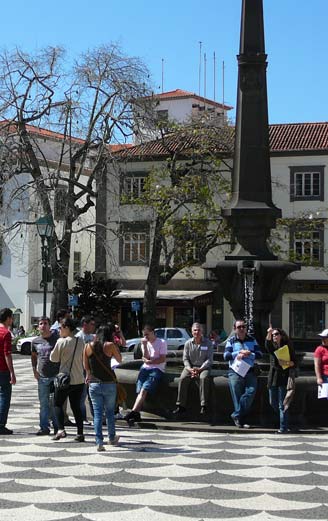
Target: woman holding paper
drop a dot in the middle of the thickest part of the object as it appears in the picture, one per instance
(281, 374)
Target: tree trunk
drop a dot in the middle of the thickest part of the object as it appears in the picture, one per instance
(152, 282)
(60, 266)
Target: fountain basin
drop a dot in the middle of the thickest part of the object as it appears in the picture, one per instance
(306, 409)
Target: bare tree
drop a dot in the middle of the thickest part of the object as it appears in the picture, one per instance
(90, 105)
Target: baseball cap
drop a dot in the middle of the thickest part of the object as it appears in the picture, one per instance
(324, 333)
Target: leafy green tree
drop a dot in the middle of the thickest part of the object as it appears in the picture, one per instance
(184, 194)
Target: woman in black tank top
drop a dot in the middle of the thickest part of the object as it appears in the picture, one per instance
(101, 379)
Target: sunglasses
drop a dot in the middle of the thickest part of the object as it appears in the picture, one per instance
(275, 334)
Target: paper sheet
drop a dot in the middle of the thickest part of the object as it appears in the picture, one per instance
(323, 391)
(240, 367)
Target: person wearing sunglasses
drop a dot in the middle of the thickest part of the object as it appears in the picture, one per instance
(241, 347)
(281, 377)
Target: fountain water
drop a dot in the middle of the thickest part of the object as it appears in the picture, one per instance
(248, 275)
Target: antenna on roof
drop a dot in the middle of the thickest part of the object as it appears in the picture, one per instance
(200, 67)
(214, 76)
(162, 75)
(204, 76)
(223, 91)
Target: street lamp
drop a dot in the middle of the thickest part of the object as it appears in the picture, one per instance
(45, 228)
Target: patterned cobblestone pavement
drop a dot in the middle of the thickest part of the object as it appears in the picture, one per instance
(153, 474)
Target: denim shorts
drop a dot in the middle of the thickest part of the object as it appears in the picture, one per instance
(149, 379)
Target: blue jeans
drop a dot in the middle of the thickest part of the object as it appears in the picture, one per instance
(149, 379)
(242, 392)
(276, 397)
(46, 399)
(103, 396)
(5, 396)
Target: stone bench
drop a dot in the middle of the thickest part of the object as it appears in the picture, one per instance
(306, 409)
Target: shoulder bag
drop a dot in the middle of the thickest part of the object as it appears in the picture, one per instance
(62, 380)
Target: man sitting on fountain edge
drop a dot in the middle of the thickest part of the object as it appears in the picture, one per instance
(241, 349)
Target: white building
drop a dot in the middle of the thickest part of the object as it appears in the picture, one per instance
(176, 107)
(299, 160)
(20, 266)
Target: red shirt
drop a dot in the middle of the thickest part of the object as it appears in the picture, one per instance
(321, 352)
(5, 347)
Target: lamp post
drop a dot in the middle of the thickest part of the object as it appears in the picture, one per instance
(45, 228)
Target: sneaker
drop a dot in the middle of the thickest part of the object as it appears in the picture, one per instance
(114, 441)
(4, 430)
(100, 448)
(59, 435)
(282, 431)
(43, 432)
(237, 422)
(79, 438)
(246, 426)
(179, 410)
(132, 416)
(203, 410)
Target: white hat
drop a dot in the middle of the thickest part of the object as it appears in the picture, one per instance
(324, 333)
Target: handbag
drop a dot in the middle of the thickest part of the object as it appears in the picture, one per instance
(121, 394)
(62, 380)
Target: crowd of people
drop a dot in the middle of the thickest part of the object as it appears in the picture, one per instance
(77, 366)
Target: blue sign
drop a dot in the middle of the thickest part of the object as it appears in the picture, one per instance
(135, 305)
(73, 300)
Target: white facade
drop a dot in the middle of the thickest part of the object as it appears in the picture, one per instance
(177, 107)
(21, 268)
(309, 285)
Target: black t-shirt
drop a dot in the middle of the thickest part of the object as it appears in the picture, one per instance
(43, 347)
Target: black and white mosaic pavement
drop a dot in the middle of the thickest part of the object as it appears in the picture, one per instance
(157, 475)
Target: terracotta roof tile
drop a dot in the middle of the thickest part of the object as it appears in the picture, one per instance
(184, 94)
(299, 137)
(43, 132)
(284, 138)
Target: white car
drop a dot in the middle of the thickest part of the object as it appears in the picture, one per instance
(23, 345)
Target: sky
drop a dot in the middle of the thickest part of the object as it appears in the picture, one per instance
(166, 36)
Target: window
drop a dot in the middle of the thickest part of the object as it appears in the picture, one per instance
(307, 183)
(76, 265)
(60, 203)
(162, 116)
(134, 244)
(307, 246)
(160, 333)
(174, 333)
(133, 186)
(306, 319)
